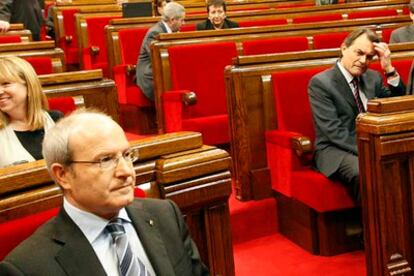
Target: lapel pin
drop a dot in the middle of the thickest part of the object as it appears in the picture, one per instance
(151, 222)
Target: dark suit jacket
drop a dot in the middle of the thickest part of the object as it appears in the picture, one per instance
(207, 25)
(60, 248)
(27, 12)
(402, 34)
(334, 113)
(144, 64)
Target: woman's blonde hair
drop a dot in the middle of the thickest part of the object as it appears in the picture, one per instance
(15, 69)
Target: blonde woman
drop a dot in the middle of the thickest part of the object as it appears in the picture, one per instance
(24, 115)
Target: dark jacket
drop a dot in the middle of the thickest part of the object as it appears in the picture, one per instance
(59, 247)
(207, 25)
(27, 12)
(334, 112)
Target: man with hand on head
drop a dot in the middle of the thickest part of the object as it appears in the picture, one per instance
(171, 21)
(217, 20)
(101, 229)
(339, 94)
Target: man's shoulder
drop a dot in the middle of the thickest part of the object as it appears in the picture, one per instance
(42, 239)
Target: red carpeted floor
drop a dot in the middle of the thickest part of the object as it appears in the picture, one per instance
(260, 250)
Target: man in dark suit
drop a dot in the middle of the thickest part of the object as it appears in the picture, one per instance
(405, 33)
(171, 22)
(88, 155)
(28, 12)
(339, 94)
(217, 20)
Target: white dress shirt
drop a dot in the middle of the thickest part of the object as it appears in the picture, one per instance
(93, 227)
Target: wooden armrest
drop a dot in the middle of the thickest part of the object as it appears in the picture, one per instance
(302, 145)
(130, 69)
(94, 50)
(68, 39)
(189, 98)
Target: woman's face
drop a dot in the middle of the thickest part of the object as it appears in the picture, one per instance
(13, 97)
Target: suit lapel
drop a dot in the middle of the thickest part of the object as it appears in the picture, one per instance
(149, 234)
(343, 87)
(76, 256)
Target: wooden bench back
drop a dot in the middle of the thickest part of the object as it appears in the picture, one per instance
(247, 81)
(160, 56)
(34, 49)
(175, 166)
(89, 87)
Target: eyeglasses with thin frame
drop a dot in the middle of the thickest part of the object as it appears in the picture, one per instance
(110, 162)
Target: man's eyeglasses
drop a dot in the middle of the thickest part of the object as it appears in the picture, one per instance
(110, 162)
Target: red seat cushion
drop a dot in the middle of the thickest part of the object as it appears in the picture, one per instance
(329, 40)
(275, 45)
(10, 39)
(309, 187)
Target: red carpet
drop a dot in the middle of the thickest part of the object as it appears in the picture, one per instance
(260, 250)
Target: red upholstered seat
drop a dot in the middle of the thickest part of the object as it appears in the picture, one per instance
(275, 45)
(386, 34)
(63, 104)
(188, 28)
(290, 175)
(42, 65)
(371, 13)
(13, 232)
(96, 40)
(317, 18)
(402, 66)
(262, 22)
(130, 41)
(10, 39)
(199, 68)
(69, 46)
(329, 40)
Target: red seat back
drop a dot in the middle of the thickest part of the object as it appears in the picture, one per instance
(63, 104)
(372, 13)
(188, 28)
(42, 65)
(200, 68)
(402, 66)
(275, 45)
(329, 40)
(96, 38)
(10, 39)
(317, 18)
(386, 34)
(13, 232)
(69, 47)
(292, 105)
(130, 41)
(262, 22)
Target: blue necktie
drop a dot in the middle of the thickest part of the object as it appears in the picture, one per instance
(129, 264)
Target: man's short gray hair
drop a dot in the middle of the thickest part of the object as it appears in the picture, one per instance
(56, 147)
(173, 10)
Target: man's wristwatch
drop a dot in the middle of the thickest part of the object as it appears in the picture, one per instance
(393, 73)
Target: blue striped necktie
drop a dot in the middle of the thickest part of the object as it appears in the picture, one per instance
(129, 264)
